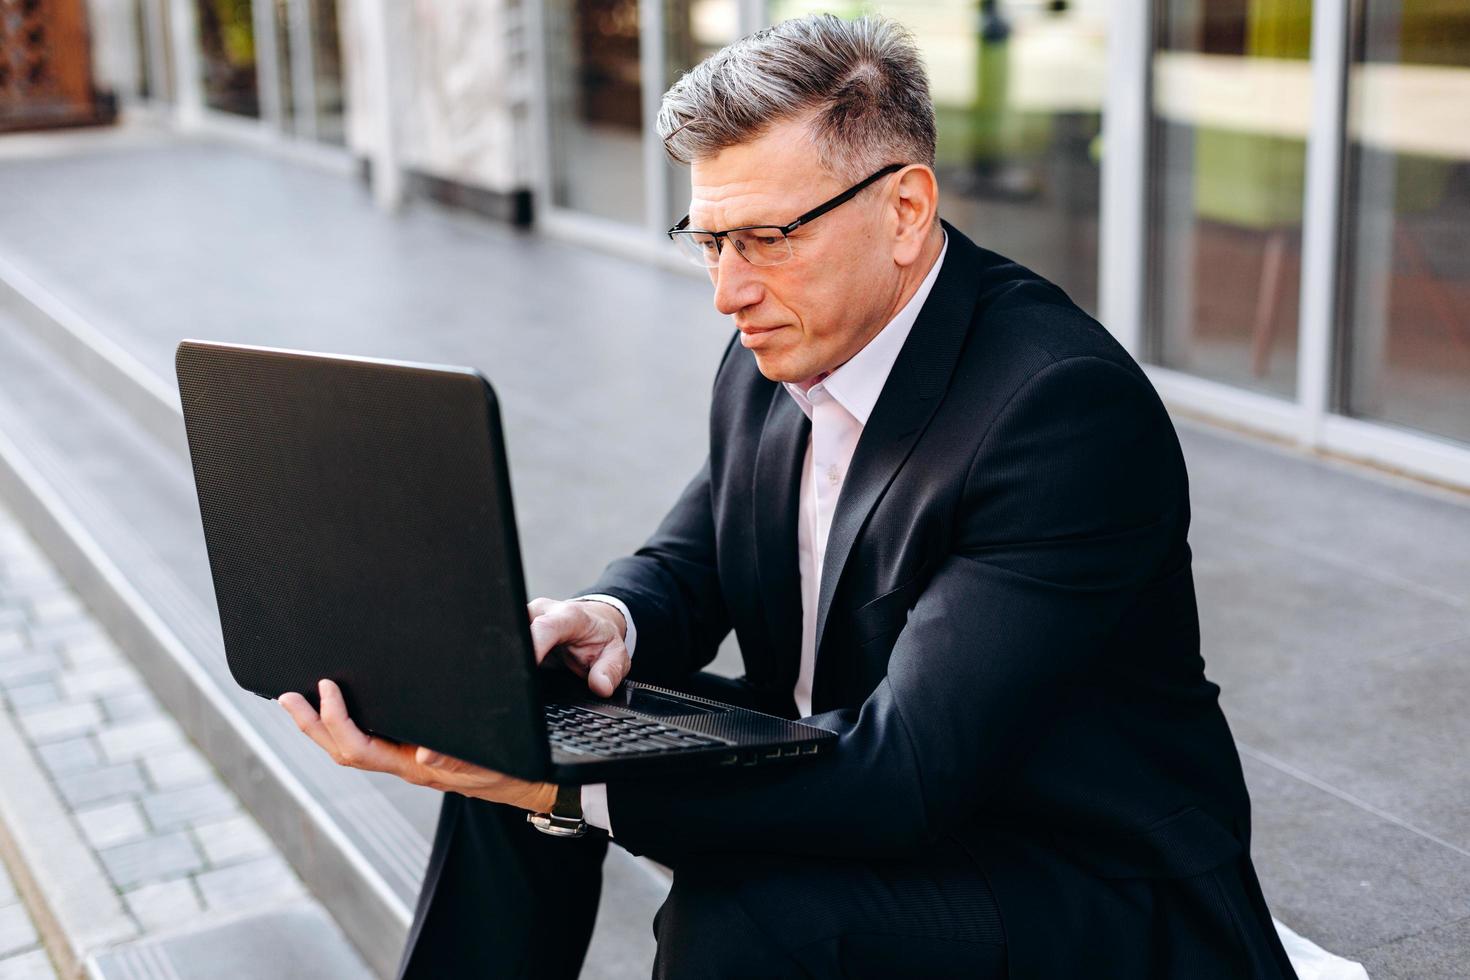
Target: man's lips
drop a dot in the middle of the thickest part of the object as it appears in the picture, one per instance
(752, 337)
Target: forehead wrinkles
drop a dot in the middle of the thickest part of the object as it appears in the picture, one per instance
(729, 205)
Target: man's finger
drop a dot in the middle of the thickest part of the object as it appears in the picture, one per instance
(308, 721)
(354, 746)
(561, 624)
(609, 670)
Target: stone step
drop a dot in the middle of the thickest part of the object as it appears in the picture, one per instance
(110, 497)
(122, 839)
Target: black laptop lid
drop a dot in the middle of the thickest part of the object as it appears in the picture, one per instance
(359, 524)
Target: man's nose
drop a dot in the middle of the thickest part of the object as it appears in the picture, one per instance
(737, 282)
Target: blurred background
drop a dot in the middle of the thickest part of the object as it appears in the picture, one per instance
(1265, 201)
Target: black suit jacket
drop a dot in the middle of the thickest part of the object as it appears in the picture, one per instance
(1007, 639)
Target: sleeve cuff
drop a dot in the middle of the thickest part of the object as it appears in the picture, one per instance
(594, 806)
(630, 637)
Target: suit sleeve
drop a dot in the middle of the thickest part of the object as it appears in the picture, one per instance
(1074, 501)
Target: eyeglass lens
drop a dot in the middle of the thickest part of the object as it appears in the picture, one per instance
(759, 246)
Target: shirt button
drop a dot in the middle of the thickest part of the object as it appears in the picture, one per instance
(833, 474)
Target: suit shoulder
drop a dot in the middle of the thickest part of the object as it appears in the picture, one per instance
(1027, 322)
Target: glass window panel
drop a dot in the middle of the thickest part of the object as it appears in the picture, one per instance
(227, 50)
(695, 29)
(1406, 274)
(1018, 92)
(595, 107)
(326, 62)
(1230, 114)
(281, 20)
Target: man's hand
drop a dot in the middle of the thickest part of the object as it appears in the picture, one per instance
(349, 745)
(589, 637)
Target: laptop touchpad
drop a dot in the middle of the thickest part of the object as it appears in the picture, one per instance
(649, 703)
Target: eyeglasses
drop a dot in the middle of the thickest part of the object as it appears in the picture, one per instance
(760, 244)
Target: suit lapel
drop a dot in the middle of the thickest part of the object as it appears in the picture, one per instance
(913, 391)
(777, 483)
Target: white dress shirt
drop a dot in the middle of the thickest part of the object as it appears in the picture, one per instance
(838, 405)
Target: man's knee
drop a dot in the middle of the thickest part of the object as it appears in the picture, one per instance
(705, 931)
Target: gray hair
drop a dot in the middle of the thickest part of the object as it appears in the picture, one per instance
(862, 81)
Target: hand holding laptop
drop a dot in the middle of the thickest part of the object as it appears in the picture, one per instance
(588, 636)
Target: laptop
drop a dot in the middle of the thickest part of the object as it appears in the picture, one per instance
(358, 518)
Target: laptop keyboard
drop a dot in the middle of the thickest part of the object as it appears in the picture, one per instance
(579, 731)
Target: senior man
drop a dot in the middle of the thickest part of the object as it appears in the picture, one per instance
(945, 515)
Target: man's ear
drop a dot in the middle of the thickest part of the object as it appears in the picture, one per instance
(915, 205)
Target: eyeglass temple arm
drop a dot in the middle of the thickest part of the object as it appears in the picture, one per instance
(842, 198)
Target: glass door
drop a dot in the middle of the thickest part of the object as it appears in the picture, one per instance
(1406, 271)
(227, 56)
(1230, 115)
(595, 108)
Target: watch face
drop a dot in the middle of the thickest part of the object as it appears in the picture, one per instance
(556, 826)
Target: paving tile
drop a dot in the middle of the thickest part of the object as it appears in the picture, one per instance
(16, 931)
(60, 720)
(70, 754)
(131, 739)
(164, 904)
(98, 680)
(178, 767)
(232, 840)
(1263, 605)
(1435, 954)
(91, 652)
(173, 808)
(83, 786)
(263, 881)
(151, 859)
(112, 823)
(27, 966)
(1361, 520)
(28, 668)
(129, 706)
(76, 632)
(34, 694)
(62, 607)
(1342, 877)
(297, 941)
(1388, 730)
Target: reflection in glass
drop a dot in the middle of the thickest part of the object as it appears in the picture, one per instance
(326, 61)
(1231, 109)
(281, 20)
(595, 107)
(695, 29)
(1018, 92)
(227, 49)
(1406, 278)
(152, 29)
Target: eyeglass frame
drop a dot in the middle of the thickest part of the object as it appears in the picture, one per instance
(682, 227)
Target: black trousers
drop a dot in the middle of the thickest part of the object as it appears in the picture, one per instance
(502, 900)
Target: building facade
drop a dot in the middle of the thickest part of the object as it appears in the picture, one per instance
(1262, 199)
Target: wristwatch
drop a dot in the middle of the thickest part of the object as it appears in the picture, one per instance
(565, 818)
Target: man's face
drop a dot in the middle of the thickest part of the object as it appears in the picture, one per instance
(813, 312)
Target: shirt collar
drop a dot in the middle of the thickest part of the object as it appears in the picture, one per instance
(857, 384)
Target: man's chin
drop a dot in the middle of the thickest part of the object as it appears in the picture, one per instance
(774, 367)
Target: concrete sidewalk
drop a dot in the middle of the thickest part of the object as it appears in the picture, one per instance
(1335, 601)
